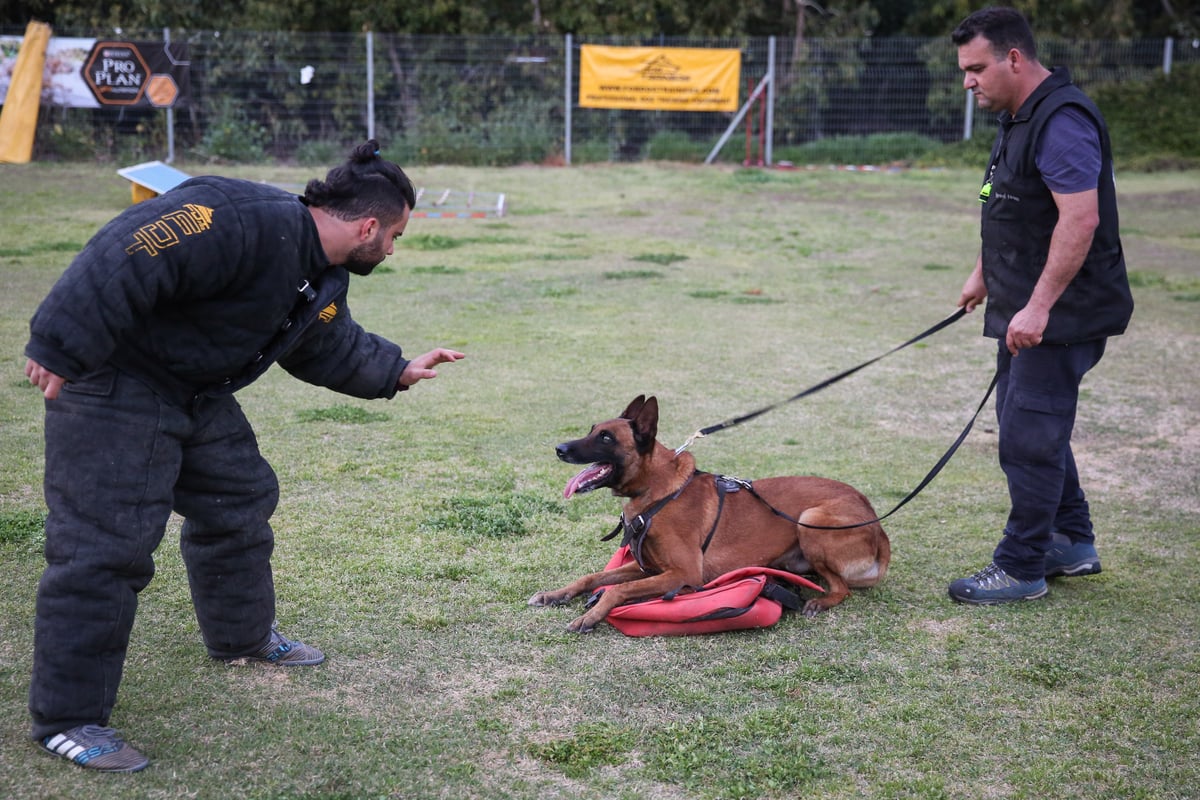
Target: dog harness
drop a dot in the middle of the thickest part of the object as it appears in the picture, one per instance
(635, 530)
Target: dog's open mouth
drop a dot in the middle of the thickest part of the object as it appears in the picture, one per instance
(591, 478)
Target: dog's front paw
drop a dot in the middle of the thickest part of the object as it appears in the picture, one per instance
(814, 607)
(581, 625)
(549, 599)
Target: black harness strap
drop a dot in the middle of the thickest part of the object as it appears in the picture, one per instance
(636, 529)
(723, 485)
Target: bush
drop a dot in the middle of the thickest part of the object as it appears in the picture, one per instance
(591, 151)
(877, 148)
(1155, 121)
(231, 135)
(676, 146)
(319, 153)
(970, 153)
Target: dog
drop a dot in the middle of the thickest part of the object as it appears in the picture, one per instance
(686, 527)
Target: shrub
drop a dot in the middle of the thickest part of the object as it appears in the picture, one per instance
(231, 135)
(676, 146)
(1154, 120)
(877, 148)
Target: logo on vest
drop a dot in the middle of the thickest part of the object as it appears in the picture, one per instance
(328, 313)
(168, 230)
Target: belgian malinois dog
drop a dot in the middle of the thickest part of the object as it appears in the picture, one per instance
(686, 527)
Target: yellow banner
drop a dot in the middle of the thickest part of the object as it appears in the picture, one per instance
(659, 78)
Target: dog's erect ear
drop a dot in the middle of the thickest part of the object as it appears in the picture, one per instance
(645, 425)
(633, 408)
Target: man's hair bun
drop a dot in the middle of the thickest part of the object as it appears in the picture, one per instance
(366, 185)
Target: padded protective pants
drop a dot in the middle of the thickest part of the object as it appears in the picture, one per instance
(118, 460)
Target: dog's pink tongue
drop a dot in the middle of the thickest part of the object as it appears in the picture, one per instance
(583, 477)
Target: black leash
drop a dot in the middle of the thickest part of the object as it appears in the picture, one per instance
(733, 421)
(635, 532)
(925, 482)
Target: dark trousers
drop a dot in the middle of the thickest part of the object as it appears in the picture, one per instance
(1036, 396)
(118, 461)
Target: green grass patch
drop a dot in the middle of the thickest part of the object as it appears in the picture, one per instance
(662, 259)
(21, 526)
(590, 747)
(752, 299)
(503, 515)
(432, 241)
(410, 532)
(40, 247)
(438, 269)
(632, 274)
(344, 414)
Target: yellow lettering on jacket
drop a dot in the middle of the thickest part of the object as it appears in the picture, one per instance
(169, 229)
(328, 312)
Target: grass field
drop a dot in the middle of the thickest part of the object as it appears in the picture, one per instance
(411, 532)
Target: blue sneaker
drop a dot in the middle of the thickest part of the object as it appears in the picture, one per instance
(95, 747)
(993, 585)
(1068, 558)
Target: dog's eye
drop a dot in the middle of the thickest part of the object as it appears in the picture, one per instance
(606, 437)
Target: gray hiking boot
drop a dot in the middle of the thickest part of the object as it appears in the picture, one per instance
(1069, 558)
(993, 585)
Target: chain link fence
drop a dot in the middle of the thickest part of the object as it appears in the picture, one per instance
(307, 97)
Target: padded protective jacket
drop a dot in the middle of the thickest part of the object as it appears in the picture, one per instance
(200, 290)
(1019, 215)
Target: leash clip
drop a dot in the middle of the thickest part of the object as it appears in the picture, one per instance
(697, 435)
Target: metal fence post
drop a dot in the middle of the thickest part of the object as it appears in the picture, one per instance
(170, 110)
(370, 84)
(768, 154)
(1168, 54)
(968, 118)
(570, 57)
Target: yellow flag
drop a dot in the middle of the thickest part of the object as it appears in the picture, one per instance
(18, 118)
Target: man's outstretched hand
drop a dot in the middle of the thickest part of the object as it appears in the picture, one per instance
(421, 367)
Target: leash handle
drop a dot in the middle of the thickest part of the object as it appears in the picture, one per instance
(733, 421)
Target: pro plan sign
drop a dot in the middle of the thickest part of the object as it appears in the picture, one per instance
(133, 73)
(116, 73)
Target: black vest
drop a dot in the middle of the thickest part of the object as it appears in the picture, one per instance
(1019, 216)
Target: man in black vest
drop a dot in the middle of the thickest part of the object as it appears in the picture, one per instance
(1053, 273)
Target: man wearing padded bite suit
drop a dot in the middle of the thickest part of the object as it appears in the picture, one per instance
(138, 349)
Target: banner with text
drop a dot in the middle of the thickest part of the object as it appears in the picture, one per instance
(659, 78)
(90, 73)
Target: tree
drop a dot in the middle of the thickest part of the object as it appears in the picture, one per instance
(795, 19)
